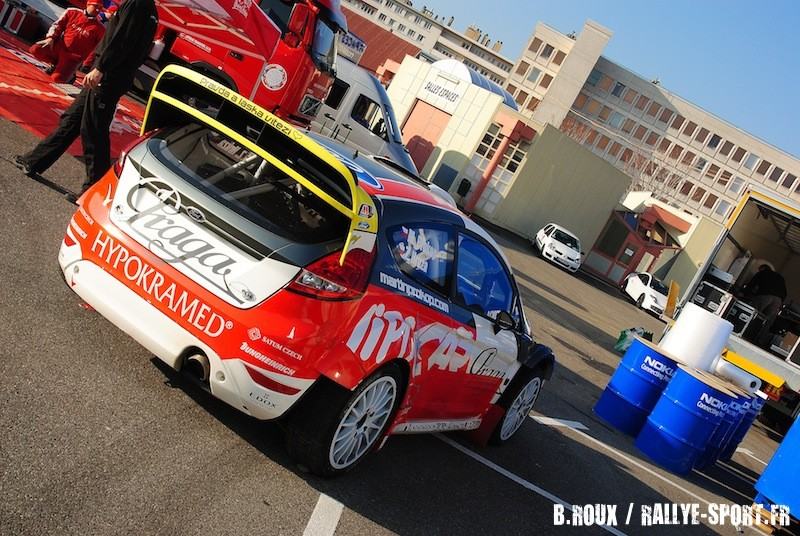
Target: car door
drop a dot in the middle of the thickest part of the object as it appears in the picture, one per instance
(483, 289)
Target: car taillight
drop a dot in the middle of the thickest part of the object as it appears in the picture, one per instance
(327, 279)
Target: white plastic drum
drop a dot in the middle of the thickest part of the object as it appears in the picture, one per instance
(698, 337)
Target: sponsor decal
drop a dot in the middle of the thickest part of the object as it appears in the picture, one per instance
(657, 368)
(487, 364)
(255, 335)
(385, 327)
(438, 426)
(262, 399)
(410, 290)
(235, 98)
(274, 77)
(196, 214)
(242, 6)
(188, 307)
(441, 91)
(196, 42)
(158, 221)
(252, 352)
(417, 251)
(365, 210)
(711, 404)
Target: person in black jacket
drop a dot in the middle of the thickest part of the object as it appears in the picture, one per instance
(767, 291)
(127, 41)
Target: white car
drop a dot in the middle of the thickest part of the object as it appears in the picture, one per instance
(559, 246)
(647, 291)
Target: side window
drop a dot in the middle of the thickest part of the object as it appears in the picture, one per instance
(337, 93)
(482, 284)
(548, 230)
(424, 254)
(367, 113)
(644, 278)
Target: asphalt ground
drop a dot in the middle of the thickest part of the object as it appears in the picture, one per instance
(97, 437)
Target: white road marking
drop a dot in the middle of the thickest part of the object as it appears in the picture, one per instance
(748, 452)
(325, 517)
(549, 421)
(518, 479)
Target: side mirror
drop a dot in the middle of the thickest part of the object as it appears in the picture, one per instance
(504, 321)
(296, 28)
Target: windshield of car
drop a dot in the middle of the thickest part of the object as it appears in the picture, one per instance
(323, 49)
(659, 287)
(245, 183)
(567, 239)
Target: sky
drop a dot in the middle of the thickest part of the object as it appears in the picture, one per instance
(738, 59)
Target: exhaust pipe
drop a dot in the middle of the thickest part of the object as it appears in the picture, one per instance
(198, 366)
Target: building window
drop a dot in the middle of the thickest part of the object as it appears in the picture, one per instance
(605, 83)
(401, 27)
(619, 89)
(763, 167)
(428, 25)
(686, 188)
(382, 17)
(712, 171)
(535, 44)
(603, 142)
(700, 164)
(738, 155)
(521, 96)
(701, 135)
(629, 96)
(616, 119)
(391, 23)
(653, 110)
(580, 102)
(722, 209)
(590, 138)
(710, 201)
(546, 79)
(627, 154)
(615, 149)
(511, 88)
(605, 113)
(640, 132)
(666, 115)
(421, 37)
(775, 176)
(652, 138)
(523, 68)
(663, 147)
(642, 102)
(736, 185)
(593, 107)
(627, 127)
(411, 33)
(534, 76)
(533, 103)
(691, 126)
(676, 152)
(594, 77)
(698, 194)
(547, 51)
(750, 161)
(723, 180)
(688, 158)
(677, 122)
(713, 143)
(558, 60)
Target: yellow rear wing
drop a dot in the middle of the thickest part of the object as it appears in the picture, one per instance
(181, 95)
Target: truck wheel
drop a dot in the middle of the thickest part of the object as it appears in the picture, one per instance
(518, 401)
(332, 432)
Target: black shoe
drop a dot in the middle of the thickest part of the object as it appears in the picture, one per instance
(24, 166)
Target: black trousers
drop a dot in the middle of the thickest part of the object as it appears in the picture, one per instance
(89, 115)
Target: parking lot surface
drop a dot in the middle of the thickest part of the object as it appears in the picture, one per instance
(100, 438)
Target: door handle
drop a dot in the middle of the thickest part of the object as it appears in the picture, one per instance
(235, 55)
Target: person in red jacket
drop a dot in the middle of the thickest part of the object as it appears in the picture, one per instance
(70, 41)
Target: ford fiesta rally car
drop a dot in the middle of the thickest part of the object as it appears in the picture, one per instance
(296, 283)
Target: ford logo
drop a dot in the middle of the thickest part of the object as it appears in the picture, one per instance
(196, 214)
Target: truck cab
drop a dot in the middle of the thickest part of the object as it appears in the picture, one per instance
(357, 112)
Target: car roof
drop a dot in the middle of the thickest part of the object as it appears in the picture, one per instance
(564, 229)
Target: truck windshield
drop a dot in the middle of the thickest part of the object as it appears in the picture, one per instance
(278, 12)
(323, 49)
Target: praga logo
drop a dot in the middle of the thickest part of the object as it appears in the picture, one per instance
(158, 216)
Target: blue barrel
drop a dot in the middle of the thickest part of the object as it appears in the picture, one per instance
(749, 413)
(633, 390)
(730, 421)
(686, 416)
(778, 482)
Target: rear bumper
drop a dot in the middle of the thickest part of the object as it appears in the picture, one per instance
(229, 380)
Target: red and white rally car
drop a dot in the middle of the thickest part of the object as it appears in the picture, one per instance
(301, 282)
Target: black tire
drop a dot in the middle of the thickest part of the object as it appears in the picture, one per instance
(313, 426)
(640, 302)
(509, 399)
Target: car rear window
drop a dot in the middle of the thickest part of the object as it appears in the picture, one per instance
(250, 186)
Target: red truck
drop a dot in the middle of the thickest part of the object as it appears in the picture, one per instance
(278, 53)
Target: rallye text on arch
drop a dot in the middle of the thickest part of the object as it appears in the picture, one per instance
(301, 282)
